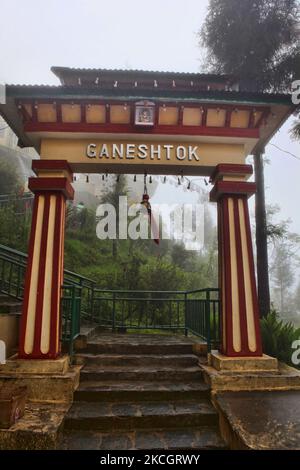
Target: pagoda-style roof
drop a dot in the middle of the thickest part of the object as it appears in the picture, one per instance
(100, 101)
(141, 79)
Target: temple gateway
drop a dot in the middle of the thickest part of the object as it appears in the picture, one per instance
(139, 122)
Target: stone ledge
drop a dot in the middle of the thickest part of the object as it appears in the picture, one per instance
(47, 387)
(38, 429)
(14, 365)
(243, 364)
(200, 349)
(286, 378)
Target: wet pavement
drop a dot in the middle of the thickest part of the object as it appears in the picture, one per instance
(263, 420)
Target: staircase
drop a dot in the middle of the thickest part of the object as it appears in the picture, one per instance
(140, 392)
(10, 305)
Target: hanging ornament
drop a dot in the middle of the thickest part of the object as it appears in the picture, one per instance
(145, 202)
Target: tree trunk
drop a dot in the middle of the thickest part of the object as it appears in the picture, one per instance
(261, 238)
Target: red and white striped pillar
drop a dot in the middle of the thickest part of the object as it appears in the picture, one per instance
(240, 328)
(41, 322)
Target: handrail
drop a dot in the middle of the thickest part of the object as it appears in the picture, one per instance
(179, 292)
(20, 254)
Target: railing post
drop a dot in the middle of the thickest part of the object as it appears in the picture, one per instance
(185, 315)
(207, 320)
(73, 320)
(114, 312)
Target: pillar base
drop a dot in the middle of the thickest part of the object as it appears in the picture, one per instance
(46, 380)
(36, 366)
(223, 373)
(243, 364)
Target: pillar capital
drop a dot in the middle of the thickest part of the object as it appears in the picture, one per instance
(53, 177)
(51, 185)
(231, 180)
(231, 172)
(52, 168)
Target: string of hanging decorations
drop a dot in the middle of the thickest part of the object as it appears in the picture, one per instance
(181, 180)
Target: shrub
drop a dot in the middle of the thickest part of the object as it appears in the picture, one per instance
(278, 337)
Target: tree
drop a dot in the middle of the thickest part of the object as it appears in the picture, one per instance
(295, 131)
(284, 248)
(283, 278)
(9, 180)
(257, 43)
(261, 232)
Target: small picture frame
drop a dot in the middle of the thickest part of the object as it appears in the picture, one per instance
(144, 114)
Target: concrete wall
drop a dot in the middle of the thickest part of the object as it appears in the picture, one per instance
(9, 331)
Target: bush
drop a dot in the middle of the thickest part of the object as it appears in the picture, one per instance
(278, 337)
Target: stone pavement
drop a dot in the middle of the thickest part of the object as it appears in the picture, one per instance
(37, 429)
(261, 420)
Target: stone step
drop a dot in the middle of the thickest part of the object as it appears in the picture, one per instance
(94, 347)
(132, 415)
(136, 360)
(183, 374)
(140, 391)
(10, 306)
(204, 438)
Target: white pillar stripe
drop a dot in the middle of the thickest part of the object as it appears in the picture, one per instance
(236, 327)
(247, 279)
(46, 314)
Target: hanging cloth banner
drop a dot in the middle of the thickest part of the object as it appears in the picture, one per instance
(145, 202)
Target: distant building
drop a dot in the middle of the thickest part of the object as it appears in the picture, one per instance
(21, 158)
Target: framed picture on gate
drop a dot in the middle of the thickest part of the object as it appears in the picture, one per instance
(144, 113)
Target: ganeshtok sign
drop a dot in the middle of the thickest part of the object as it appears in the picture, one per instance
(160, 155)
(141, 151)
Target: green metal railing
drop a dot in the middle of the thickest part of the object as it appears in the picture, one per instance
(202, 315)
(76, 291)
(71, 305)
(196, 312)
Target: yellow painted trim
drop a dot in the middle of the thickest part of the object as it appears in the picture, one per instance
(247, 280)
(61, 273)
(236, 326)
(46, 315)
(223, 301)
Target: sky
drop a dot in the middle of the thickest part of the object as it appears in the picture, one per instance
(158, 35)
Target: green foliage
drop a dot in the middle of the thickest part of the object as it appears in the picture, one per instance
(15, 224)
(278, 337)
(256, 41)
(9, 180)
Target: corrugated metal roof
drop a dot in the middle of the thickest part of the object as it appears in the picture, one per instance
(57, 70)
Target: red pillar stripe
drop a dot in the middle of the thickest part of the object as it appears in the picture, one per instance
(62, 242)
(56, 278)
(41, 282)
(24, 316)
(227, 273)
(241, 281)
